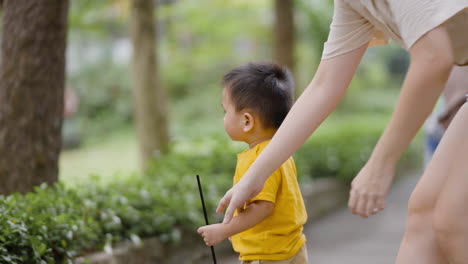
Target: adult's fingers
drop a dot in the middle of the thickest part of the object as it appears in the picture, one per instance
(225, 201)
(380, 203)
(352, 202)
(371, 208)
(229, 213)
(362, 205)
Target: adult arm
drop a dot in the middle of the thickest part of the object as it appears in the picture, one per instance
(317, 101)
(431, 63)
(255, 213)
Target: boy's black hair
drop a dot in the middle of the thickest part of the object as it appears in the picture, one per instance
(265, 87)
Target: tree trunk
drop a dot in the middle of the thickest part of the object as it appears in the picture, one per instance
(150, 98)
(284, 37)
(32, 77)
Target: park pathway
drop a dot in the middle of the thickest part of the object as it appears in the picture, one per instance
(344, 238)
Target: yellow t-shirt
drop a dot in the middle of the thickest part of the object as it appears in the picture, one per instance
(279, 236)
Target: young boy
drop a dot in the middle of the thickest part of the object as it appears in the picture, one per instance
(256, 99)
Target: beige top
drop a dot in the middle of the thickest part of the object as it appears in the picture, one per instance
(356, 22)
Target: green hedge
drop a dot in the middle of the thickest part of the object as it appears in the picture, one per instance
(340, 149)
(56, 224)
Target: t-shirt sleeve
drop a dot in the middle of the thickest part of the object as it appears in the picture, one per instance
(270, 189)
(348, 31)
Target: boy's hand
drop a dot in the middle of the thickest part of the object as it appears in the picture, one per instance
(213, 234)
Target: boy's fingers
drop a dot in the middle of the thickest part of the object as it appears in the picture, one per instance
(200, 230)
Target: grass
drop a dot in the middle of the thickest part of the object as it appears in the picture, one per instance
(108, 159)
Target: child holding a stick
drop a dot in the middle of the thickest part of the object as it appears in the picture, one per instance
(269, 229)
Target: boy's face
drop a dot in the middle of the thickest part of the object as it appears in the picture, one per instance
(233, 121)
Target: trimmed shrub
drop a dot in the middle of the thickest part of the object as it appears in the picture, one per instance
(56, 224)
(342, 148)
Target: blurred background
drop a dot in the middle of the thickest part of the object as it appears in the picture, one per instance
(196, 43)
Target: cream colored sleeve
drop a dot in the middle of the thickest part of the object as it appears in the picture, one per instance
(348, 31)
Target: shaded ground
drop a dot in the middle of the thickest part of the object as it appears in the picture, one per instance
(344, 238)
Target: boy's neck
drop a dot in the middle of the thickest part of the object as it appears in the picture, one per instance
(259, 137)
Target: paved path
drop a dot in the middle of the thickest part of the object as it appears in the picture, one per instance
(344, 238)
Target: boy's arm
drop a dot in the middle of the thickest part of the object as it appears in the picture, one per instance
(255, 213)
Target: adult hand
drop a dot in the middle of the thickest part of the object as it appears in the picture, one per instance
(238, 196)
(370, 188)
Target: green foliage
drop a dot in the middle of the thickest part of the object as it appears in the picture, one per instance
(97, 17)
(194, 51)
(196, 46)
(45, 227)
(313, 22)
(340, 152)
(213, 156)
(56, 224)
(368, 102)
(342, 149)
(105, 96)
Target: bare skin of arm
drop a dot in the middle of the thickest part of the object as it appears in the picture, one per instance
(255, 213)
(429, 70)
(318, 100)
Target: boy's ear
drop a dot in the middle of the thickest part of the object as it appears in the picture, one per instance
(248, 122)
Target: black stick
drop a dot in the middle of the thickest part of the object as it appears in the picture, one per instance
(206, 216)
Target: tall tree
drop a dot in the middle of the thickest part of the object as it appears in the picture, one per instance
(32, 76)
(150, 97)
(284, 37)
